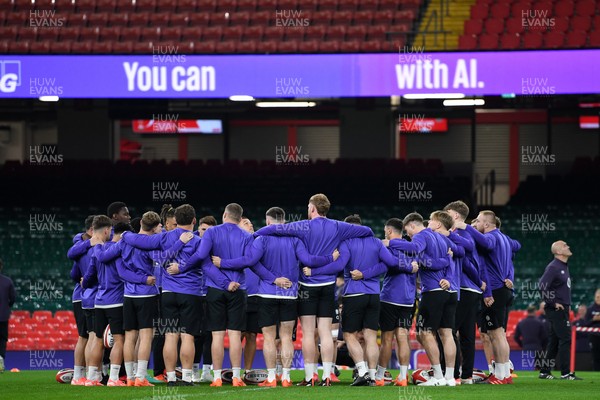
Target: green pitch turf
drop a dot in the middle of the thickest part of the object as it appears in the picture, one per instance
(42, 385)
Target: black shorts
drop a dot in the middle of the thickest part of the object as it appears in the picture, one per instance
(496, 316)
(106, 316)
(252, 315)
(80, 319)
(317, 300)
(360, 312)
(274, 311)
(226, 310)
(437, 309)
(181, 313)
(392, 316)
(90, 319)
(140, 313)
(336, 315)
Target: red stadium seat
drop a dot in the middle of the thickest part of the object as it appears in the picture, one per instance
(206, 5)
(383, 17)
(187, 6)
(581, 23)
(205, 47)
(42, 315)
(328, 5)
(370, 46)
(309, 46)
(226, 6)
(352, 46)
(199, 20)
(150, 34)
(564, 8)
(356, 32)
(479, 11)
(363, 17)
(596, 22)
(510, 41)
(212, 33)
(81, 47)
(342, 18)
(515, 25)
(595, 39)
(233, 33)
(41, 4)
(226, 47)
(246, 47)
(287, 47)
(168, 6)
(267, 5)
(315, 32)
(241, 18)
(171, 33)
(147, 5)
(262, 18)
(20, 314)
(143, 47)
(253, 33)
(60, 47)
(246, 5)
(76, 20)
(576, 39)
(18, 19)
(111, 33)
(488, 41)
(520, 9)
(9, 32)
(127, 6)
(267, 46)
(403, 16)
(118, 19)
(89, 34)
(473, 27)
(370, 5)
(139, 19)
(295, 34)
(467, 42)
(377, 32)
(585, 7)
(288, 4)
(160, 19)
(105, 5)
(500, 10)
(98, 19)
(494, 26)
(181, 20)
(554, 39)
(388, 5)
(532, 40)
(123, 47)
(131, 33)
(321, 17)
(561, 24)
(348, 5)
(329, 47)
(102, 47)
(336, 33)
(273, 33)
(26, 33)
(67, 33)
(86, 5)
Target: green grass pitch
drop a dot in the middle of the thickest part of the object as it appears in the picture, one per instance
(42, 385)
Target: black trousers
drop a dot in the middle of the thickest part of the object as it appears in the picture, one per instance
(158, 343)
(559, 342)
(3, 337)
(466, 319)
(202, 345)
(595, 342)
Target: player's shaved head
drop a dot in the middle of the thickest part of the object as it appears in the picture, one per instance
(413, 218)
(395, 224)
(353, 219)
(277, 214)
(101, 222)
(185, 214)
(490, 216)
(234, 212)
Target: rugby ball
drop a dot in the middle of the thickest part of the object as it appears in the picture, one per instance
(227, 376)
(65, 375)
(107, 338)
(478, 375)
(387, 377)
(255, 376)
(421, 376)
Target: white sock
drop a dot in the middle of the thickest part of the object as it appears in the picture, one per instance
(171, 376)
(114, 372)
(79, 372)
(286, 374)
(105, 369)
(449, 373)
(278, 369)
(327, 367)
(271, 372)
(380, 374)
(437, 371)
(372, 373)
(308, 371)
(196, 371)
(362, 368)
(142, 369)
(314, 368)
(403, 372)
(99, 375)
(186, 375)
(135, 368)
(217, 374)
(491, 368)
(237, 372)
(504, 370)
(129, 370)
(92, 373)
(206, 367)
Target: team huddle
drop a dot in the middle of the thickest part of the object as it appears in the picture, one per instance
(166, 288)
